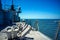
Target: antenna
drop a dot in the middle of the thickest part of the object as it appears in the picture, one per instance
(12, 2)
(12, 6)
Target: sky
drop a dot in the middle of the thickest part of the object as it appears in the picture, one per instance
(37, 9)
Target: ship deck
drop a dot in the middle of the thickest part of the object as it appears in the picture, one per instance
(37, 35)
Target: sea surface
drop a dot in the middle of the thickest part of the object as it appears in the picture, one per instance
(48, 27)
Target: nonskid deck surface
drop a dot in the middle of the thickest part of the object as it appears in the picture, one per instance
(37, 35)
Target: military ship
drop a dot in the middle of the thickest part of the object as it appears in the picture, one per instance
(14, 29)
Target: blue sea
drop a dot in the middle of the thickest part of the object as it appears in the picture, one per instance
(48, 27)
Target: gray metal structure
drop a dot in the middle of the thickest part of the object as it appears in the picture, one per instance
(7, 17)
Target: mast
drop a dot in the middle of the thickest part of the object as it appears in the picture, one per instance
(12, 2)
(15, 13)
(12, 6)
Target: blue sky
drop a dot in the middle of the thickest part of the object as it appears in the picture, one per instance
(37, 9)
